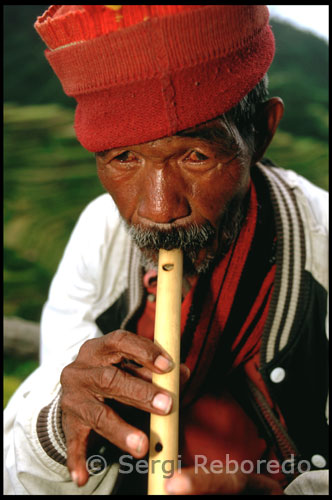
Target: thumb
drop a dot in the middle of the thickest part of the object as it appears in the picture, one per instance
(262, 485)
(189, 481)
(192, 482)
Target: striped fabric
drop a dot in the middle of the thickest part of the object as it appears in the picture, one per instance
(50, 433)
(290, 283)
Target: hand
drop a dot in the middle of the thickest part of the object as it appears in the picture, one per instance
(187, 482)
(101, 371)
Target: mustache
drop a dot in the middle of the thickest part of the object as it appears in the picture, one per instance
(189, 238)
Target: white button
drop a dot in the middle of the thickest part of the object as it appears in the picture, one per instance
(151, 297)
(277, 375)
(318, 461)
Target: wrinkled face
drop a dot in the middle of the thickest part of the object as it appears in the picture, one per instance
(180, 191)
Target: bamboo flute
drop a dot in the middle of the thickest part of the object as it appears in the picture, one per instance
(164, 429)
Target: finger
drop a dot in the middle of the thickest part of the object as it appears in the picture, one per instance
(146, 374)
(112, 382)
(137, 370)
(122, 344)
(192, 482)
(76, 441)
(108, 424)
(263, 485)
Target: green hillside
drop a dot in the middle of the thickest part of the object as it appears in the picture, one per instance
(299, 74)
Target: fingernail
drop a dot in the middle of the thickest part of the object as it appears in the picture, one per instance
(162, 402)
(163, 363)
(135, 441)
(178, 485)
(74, 477)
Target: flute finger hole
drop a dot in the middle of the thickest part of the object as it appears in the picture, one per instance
(168, 267)
(158, 447)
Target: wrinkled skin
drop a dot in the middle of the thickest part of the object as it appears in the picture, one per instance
(172, 181)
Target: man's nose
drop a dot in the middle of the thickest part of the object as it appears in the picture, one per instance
(161, 200)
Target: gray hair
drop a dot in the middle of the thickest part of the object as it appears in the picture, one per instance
(239, 121)
(243, 114)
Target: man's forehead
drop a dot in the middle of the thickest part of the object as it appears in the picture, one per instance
(201, 131)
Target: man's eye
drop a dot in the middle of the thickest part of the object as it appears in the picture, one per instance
(125, 157)
(196, 156)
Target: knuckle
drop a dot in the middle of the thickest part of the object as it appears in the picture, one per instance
(66, 375)
(86, 348)
(116, 338)
(122, 386)
(66, 403)
(147, 394)
(149, 350)
(98, 418)
(140, 391)
(109, 378)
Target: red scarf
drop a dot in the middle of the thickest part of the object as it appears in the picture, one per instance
(218, 300)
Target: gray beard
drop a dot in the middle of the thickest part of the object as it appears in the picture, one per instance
(190, 239)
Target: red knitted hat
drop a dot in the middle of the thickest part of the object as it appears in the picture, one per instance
(142, 72)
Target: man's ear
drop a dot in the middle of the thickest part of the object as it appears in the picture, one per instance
(266, 124)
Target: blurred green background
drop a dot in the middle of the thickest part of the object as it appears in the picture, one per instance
(49, 178)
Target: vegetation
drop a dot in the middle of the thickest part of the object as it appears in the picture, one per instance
(15, 372)
(299, 74)
(49, 178)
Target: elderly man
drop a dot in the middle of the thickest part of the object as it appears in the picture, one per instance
(173, 102)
